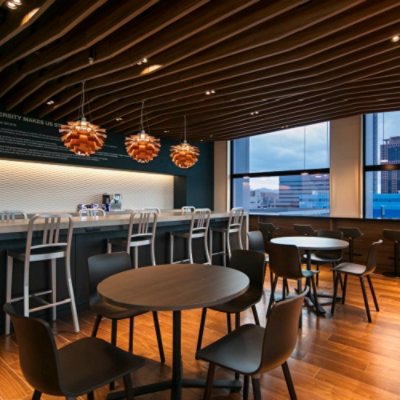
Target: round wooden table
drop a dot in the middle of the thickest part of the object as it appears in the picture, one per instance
(173, 287)
(309, 244)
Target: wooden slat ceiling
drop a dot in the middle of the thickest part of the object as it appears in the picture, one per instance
(295, 62)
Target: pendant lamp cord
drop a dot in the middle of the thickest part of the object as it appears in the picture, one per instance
(184, 128)
(141, 116)
(83, 100)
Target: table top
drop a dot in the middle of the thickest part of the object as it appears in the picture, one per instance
(312, 242)
(174, 287)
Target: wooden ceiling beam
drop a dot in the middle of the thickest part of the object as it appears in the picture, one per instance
(308, 15)
(64, 18)
(13, 25)
(147, 43)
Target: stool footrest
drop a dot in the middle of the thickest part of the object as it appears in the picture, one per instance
(50, 305)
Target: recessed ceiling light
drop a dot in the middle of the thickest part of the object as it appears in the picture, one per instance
(118, 119)
(50, 102)
(166, 131)
(91, 60)
(201, 140)
(395, 38)
(208, 92)
(142, 61)
(254, 113)
(150, 69)
(11, 5)
(29, 16)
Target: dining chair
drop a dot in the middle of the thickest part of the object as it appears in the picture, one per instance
(304, 230)
(102, 266)
(252, 350)
(351, 234)
(285, 263)
(74, 370)
(268, 230)
(251, 263)
(361, 271)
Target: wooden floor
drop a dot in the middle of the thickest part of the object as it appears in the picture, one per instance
(336, 358)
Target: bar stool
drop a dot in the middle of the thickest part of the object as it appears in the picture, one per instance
(143, 234)
(8, 215)
(350, 234)
(187, 209)
(394, 236)
(199, 225)
(305, 230)
(234, 227)
(46, 228)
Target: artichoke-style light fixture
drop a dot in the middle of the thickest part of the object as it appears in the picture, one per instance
(184, 155)
(142, 147)
(81, 137)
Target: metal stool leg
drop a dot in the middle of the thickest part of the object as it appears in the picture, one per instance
(171, 248)
(71, 294)
(53, 266)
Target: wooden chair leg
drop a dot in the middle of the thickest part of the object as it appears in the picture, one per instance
(271, 277)
(159, 337)
(36, 395)
(255, 314)
(90, 396)
(246, 387)
(335, 287)
(210, 381)
(365, 299)
(289, 382)
(256, 388)
(131, 333)
(373, 292)
(286, 286)
(201, 330)
(96, 325)
(128, 387)
(228, 322)
(272, 296)
(344, 291)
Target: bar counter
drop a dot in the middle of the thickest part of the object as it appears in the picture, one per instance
(90, 238)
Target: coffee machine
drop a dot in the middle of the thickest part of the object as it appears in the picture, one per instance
(112, 202)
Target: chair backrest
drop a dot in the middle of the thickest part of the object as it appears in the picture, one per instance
(38, 353)
(200, 220)
(251, 263)
(48, 227)
(92, 212)
(372, 253)
(187, 209)
(101, 266)
(235, 221)
(143, 222)
(392, 234)
(267, 230)
(256, 241)
(330, 254)
(8, 215)
(350, 232)
(305, 230)
(284, 260)
(281, 332)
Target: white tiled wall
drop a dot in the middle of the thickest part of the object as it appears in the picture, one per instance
(38, 187)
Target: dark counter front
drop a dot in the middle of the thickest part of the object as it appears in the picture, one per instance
(88, 241)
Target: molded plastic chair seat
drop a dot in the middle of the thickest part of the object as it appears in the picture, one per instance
(112, 311)
(241, 303)
(323, 258)
(351, 268)
(91, 361)
(240, 350)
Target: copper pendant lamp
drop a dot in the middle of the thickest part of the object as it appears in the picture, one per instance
(184, 155)
(80, 136)
(142, 147)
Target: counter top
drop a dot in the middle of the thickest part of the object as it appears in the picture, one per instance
(21, 225)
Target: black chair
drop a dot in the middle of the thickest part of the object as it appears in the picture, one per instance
(304, 230)
(74, 370)
(252, 263)
(351, 234)
(394, 236)
(102, 266)
(285, 263)
(268, 230)
(332, 257)
(252, 350)
(360, 271)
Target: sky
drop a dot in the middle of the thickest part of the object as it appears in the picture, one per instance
(284, 150)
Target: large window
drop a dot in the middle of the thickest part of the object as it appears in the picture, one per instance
(382, 165)
(284, 172)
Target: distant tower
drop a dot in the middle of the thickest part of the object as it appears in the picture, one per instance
(390, 151)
